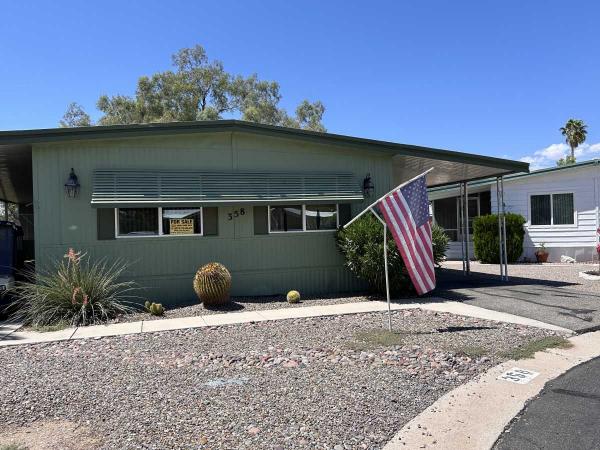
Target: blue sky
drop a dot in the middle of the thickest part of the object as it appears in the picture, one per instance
(496, 78)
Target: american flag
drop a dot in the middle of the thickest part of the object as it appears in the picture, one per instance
(406, 212)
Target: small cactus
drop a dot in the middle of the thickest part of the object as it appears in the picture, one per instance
(212, 284)
(293, 297)
(156, 309)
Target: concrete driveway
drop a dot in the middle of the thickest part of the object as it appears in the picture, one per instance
(550, 293)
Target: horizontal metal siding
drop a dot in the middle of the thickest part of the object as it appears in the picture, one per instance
(581, 182)
(260, 265)
(115, 187)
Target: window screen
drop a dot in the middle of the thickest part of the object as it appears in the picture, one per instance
(446, 216)
(562, 209)
(138, 221)
(541, 213)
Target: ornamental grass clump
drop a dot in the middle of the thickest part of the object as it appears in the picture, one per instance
(75, 291)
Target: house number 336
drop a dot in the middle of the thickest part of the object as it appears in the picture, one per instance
(236, 213)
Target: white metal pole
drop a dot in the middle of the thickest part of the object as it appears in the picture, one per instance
(504, 229)
(369, 208)
(467, 262)
(500, 235)
(387, 280)
(461, 212)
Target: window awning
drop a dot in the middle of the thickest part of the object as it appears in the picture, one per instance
(122, 187)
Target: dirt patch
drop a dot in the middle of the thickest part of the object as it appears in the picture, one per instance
(51, 435)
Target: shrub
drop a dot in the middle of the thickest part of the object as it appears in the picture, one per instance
(293, 297)
(362, 247)
(212, 283)
(74, 290)
(156, 309)
(486, 240)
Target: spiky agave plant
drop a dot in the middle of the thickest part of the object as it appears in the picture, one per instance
(212, 283)
(74, 290)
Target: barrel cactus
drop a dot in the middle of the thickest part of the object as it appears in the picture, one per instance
(156, 309)
(293, 297)
(212, 283)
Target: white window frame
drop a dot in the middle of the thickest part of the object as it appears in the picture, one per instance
(304, 230)
(552, 225)
(160, 225)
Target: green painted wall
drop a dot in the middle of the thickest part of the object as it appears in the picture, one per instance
(260, 265)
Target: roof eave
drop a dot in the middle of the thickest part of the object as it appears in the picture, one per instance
(136, 130)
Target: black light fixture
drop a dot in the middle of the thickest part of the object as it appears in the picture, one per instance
(72, 185)
(368, 186)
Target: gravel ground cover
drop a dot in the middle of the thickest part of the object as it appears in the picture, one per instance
(243, 304)
(326, 383)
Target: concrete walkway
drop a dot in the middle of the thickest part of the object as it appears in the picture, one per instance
(473, 415)
(15, 337)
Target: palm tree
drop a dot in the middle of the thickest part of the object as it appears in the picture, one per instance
(575, 132)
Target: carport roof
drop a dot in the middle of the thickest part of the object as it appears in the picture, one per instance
(408, 160)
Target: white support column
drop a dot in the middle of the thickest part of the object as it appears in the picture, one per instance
(500, 233)
(466, 205)
(504, 228)
(461, 228)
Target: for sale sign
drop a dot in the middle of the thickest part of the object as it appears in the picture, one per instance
(181, 226)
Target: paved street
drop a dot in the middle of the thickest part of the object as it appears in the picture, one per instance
(549, 293)
(564, 416)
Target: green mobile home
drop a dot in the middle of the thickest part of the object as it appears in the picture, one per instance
(168, 198)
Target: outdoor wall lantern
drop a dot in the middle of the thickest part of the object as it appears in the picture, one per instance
(72, 185)
(368, 186)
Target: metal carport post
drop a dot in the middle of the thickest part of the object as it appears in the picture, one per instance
(464, 226)
(500, 207)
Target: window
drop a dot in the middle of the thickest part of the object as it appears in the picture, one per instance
(181, 221)
(286, 218)
(552, 209)
(175, 221)
(303, 218)
(320, 217)
(137, 222)
(563, 210)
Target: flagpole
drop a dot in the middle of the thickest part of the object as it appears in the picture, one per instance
(369, 208)
(387, 281)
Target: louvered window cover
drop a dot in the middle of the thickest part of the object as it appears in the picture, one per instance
(150, 187)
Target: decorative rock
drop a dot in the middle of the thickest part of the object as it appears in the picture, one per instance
(253, 431)
(265, 385)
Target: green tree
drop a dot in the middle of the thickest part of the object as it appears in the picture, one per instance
(200, 89)
(566, 161)
(575, 132)
(75, 116)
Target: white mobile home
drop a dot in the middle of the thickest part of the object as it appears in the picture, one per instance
(560, 206)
